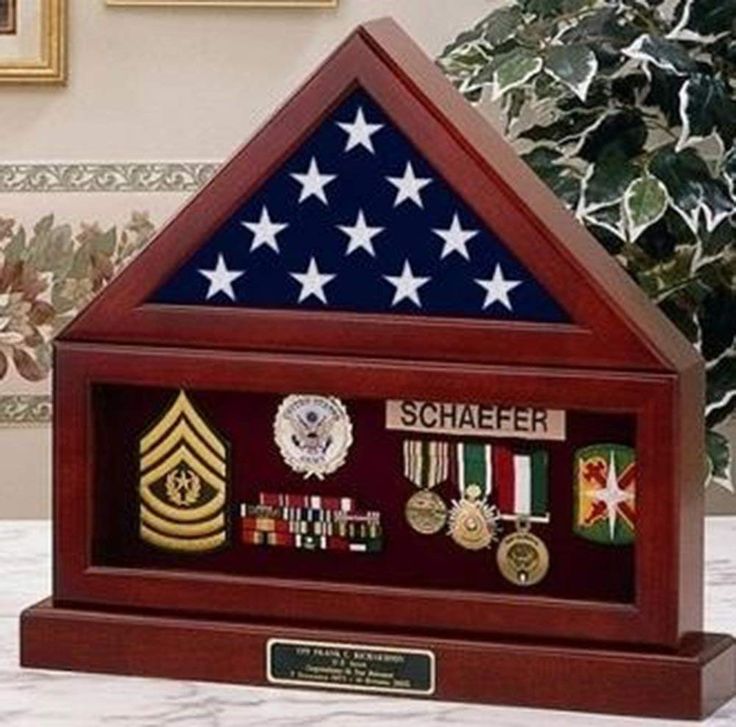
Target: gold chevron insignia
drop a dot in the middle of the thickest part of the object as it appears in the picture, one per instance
(184, 482)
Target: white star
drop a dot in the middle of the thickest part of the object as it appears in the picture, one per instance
(361, 235)
(312, 282)
(407, 285)
(313, 182)
(498, 289)
(456, 239)
(409, 186)
(265, 231)
(612, 495)
(360, 132)
(221, 279)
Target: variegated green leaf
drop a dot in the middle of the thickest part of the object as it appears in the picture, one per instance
(645, 202)
(718, 450)
(502, 24)
(664, 54)
(729, 170)
(494, 29)
(574, 66)
(721, 392)
(607, 181)
(717, 315)
(700, 20)
(683, 174)
(718, 204)
(706, 107)
(608, 219)
(568, 127)
(561, 179)
(517, 68)
(680, 310)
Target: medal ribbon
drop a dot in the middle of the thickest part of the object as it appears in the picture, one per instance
(522, 482)
(426, 463)
(474, 466)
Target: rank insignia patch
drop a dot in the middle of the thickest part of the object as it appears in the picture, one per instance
(605, 494)
(183, 488)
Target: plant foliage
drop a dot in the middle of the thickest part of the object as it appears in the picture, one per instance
(627, 110)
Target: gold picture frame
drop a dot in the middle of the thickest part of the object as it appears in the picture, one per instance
(226, 3)
(49, 64)
(8, 14)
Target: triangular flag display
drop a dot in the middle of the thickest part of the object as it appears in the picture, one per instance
(377, 199)
(358, 220)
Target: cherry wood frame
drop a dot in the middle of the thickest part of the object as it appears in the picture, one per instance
(614, 324)
(663, 569)
(688, 684)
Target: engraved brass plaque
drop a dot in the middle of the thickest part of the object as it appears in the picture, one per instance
(350, 667)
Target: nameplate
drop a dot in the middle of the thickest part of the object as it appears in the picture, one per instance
(350, 667)
(475, 420)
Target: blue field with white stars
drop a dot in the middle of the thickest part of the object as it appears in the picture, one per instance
(357, 220)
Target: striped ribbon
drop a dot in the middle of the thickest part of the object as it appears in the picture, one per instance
(473, 464)
(522, 483)
(426, 463)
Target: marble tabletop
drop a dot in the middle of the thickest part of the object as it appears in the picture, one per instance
(40, 698)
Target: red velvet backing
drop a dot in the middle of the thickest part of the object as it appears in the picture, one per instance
(372, 474)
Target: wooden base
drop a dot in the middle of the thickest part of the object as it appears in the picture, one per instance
(688, 684)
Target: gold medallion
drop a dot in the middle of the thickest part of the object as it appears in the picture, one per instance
(426, 512)
(473, 522)
(522, 557)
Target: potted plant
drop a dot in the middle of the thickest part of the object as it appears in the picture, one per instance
(627, 110)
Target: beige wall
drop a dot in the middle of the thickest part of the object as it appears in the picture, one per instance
(173, 83)
(170, 84)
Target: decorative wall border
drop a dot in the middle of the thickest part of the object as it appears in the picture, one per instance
(105, 177)
(95, 177)
(25, 410)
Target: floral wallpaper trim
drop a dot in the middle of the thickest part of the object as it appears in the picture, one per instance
(48, 272)
(106, 177)
(25, 409)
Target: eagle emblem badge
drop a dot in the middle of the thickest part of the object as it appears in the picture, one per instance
(313, 434)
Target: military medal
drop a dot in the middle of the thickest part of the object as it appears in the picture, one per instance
(313, 434)
(426, 512)
(426, 464)
(522, 492)
(522, 557)
(473, 522)
(605, 494)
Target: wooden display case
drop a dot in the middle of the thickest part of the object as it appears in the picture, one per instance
(585, 343)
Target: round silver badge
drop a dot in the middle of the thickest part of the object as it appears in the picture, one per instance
(313, 434)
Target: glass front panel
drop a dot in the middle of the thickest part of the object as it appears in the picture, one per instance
(417, 494)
